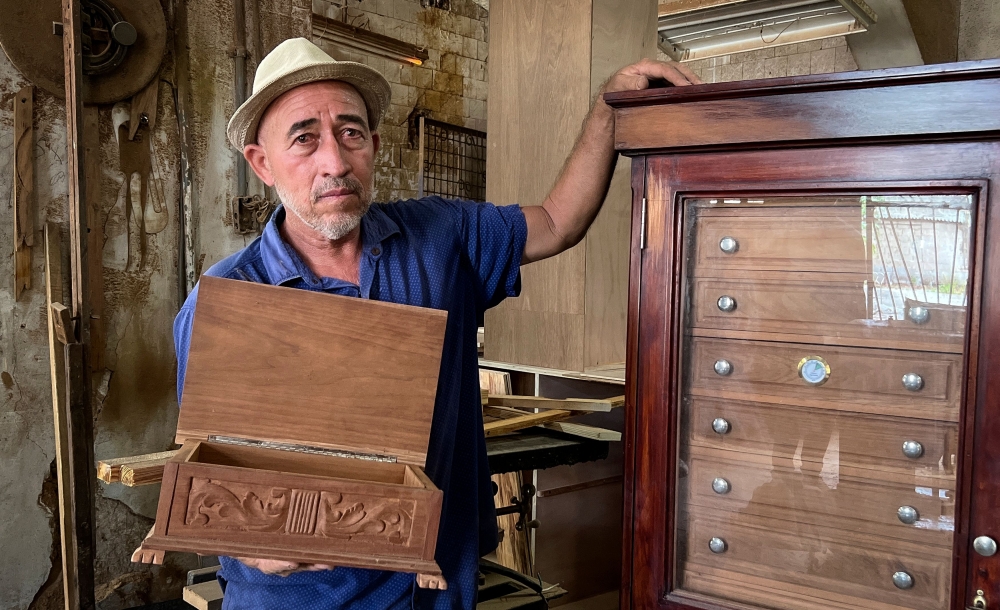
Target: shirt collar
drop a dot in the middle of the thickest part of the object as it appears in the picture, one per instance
(284, 264)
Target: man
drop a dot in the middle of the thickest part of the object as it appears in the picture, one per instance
(310, 129)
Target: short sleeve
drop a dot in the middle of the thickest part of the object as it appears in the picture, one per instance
(182, 338)
(493, 238)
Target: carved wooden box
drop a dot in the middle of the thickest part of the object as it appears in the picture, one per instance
(304, 422)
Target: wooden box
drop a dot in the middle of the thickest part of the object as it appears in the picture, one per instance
(813, 323)
(305, 421)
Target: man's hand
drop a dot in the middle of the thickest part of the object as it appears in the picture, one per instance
(282, 568)
(570, 208)
(637, 76)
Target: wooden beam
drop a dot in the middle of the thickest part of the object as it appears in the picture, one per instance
(110, 471)
(506, 426)
(24, 182)
(144, 473)
(78, 409)
(567, 404)
(62, 321)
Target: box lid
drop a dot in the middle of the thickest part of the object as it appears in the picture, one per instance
(290, 366)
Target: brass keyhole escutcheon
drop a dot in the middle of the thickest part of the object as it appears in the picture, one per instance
(979, 601)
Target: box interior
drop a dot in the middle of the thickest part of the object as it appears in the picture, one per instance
(306, 463)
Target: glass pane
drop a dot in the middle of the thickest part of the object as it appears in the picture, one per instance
(821, 382)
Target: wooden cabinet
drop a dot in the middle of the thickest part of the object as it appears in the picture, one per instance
(814, 330)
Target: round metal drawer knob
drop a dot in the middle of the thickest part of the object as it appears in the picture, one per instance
(919, 315)
(913, 382)
(985, 546)
(729, 245)
(913, 449)
(908, 514)
(726, 303)
(902, 580)
(717, 545)
(721, 486)
(723, 367)
(720, 425)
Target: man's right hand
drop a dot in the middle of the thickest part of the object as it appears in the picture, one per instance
(282, 568)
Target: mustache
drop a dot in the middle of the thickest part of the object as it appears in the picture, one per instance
(352, 184)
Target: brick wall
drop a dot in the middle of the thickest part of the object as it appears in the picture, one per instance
(815, 57)
(450, 86)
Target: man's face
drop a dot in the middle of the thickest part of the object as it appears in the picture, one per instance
(315, 147)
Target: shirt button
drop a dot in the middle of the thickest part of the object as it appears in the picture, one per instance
(376, 251)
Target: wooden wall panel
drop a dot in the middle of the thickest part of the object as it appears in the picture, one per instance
(538, 97)
(623, 33)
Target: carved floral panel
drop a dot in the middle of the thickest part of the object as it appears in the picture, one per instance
(217, 504)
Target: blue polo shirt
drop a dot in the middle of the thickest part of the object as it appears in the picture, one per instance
(458, 256)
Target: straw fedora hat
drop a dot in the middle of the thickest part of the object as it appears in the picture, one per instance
(297, 62)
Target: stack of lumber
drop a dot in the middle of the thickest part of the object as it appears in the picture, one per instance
(135, 470)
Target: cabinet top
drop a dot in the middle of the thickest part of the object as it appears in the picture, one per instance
(922, 101)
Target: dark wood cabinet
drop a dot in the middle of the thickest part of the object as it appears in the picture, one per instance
(813, 414)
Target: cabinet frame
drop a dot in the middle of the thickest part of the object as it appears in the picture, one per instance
(660, 185)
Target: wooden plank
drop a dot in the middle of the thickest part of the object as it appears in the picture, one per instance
(568, 404)
(134, 474)
(62, 322)
(57, 373)
(24, 185)
(204, 595)
(110, 470)
(540, 57)
(565, 489)
(667, 8)
(514, 549)
(95, 237)
(506, 426)
(78, 405)
(367, 385)
(598, 374)
(623, 33)
(585, 431)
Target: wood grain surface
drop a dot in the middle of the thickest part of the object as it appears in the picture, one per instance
(294, 366)
(862, 380)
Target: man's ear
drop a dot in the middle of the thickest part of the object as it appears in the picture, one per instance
(376, 141)
(255, 156)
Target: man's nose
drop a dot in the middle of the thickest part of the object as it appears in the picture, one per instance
(331, 158)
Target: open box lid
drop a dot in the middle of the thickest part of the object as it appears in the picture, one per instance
(296, 367)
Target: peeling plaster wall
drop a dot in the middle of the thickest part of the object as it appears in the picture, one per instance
(137, 408)
(979, 30)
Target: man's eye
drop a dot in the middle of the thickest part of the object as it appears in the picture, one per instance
(352, 133)
(303, 139)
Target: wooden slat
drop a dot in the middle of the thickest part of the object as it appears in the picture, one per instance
(57, 373)
(585, 431)
(667, 8)
(567, 404)
(506, 426)
(24, 183)
(95, 238)
(110, 470)
(204, 596)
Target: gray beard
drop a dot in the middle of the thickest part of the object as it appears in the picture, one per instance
(330, 228)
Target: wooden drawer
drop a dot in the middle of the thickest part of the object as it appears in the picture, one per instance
(861, 380)
(798, 494)
(796, 566)
(781, 239)
(866, 445)
(818, 308)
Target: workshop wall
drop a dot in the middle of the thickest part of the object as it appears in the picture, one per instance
(814, 57)
(450, 86)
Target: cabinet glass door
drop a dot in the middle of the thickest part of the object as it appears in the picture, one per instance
(823, 348)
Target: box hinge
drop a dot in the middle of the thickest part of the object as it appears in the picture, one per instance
(355, 455)
(642, 226)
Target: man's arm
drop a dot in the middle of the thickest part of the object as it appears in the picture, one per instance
(564, 217)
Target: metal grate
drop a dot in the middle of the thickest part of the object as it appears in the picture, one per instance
(453, 160)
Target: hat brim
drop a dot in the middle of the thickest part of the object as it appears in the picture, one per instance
(372, 86)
